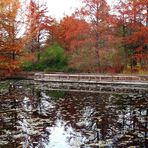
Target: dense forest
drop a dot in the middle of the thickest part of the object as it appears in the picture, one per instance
(95, 38)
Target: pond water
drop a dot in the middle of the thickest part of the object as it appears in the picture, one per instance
(33, 118)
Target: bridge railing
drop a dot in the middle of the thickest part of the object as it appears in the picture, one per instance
(87, 77)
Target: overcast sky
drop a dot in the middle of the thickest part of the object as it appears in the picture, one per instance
(59, 8)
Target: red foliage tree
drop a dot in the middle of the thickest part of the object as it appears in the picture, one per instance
(96, 12)
(72, 33)
(39, 26)
(134, 19)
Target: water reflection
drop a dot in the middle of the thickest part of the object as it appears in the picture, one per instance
(32, 118)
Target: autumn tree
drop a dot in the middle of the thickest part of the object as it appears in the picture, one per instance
(96, 12)
(133, 17)
(11, 43)
(72, 33)
(39, 26)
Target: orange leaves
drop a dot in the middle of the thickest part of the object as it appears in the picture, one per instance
(97, 15)
(7, 63)
(11, 45)
(134, 16)
(72, 33)
(138, 34)
(39, 25)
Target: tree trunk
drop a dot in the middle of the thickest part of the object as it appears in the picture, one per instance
(147, 16)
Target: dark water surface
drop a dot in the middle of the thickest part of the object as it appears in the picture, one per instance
(31, 118)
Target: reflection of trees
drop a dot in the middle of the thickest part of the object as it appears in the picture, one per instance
(24, 117)
(93, 120)
(8, 125)
(105, 119)
(133, 120)
(90, 114)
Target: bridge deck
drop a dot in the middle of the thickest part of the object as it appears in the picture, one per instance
(92, 83)
(87, 82)
(81, 78)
